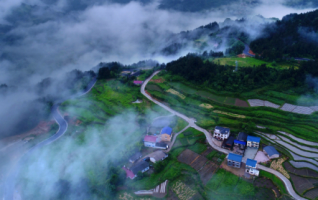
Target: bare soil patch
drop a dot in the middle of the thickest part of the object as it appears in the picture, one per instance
(300, 172)
(302, 184)
(207, 171)
(207, 151)
(159, 80)
(241, 103)
(267, 183)
(312, 194)
(206, 105)
(200, 163)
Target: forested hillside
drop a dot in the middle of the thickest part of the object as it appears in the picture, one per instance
(293, 36)
(224, 78)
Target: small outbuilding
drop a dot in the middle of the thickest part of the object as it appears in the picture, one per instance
(221, 133)
(135, 157)
(253, 142)
(271, 152)
(234, 160)
(250, 167)
(157, 156)
(166, 134)
(141, 166)
(228, 143)
(161, 145)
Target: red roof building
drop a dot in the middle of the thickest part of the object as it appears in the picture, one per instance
(150, 138)
(138, 82)
(129, 173)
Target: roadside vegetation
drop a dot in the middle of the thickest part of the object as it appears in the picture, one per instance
(224, 112)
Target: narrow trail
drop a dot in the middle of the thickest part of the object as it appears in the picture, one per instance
(192, 124)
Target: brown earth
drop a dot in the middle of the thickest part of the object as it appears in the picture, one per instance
(302, 184)
(41, 128)
(312, 194)
(251, 52)
(241, 55)
(241, 103)
(300, 172)
(200, 163)
(267, 183)
(159, 80)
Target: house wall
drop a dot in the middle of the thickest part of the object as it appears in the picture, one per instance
(144, 170)
(149, 144)
(252, 144)
(232, 163)
(220, 135)
(273, 156)
(165, 137)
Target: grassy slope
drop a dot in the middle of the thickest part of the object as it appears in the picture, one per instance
(246, 62)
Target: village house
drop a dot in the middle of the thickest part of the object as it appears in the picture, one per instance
(253, 142)
(234, 160)
(135, 157)
(228, 143)
(221, 133)
(150, 141)
(161, 145)
(157, 156)
(154, 142)
(250, 167)
(165, 134)
(141, 166)
(271, 152)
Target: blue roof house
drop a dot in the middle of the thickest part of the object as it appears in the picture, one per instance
(165, 134)
(271, 152)
(250, 167)
(253, 142)
(234, 160)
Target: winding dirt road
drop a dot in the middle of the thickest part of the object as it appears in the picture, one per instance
(192, 124)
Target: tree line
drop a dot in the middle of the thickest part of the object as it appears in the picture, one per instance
(293, 36)
(225, 78)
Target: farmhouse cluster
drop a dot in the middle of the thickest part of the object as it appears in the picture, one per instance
(244, 150)
(140, 164)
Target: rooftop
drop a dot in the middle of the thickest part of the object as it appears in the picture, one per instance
(139, 166)
(230, 141)
(129, 173)
(250, 162)
(166, 130)
(253, 139)
(136, 156)
(157, 155)
(235, 157)
(242, 136)
(222, 130)
(270, 150)
(150, 138)
(239, 142)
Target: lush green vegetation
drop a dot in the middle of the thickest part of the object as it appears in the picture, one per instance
(224, 184)
(293, 36)
(249, 61)
(279, 183)
(237, 118)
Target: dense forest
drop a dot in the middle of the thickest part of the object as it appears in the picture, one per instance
(293, 36)
(224, 78)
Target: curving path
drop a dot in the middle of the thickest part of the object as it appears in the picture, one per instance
(192, 124)
(10, 181)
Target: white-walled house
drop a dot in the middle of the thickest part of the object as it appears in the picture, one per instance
(221, 133)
